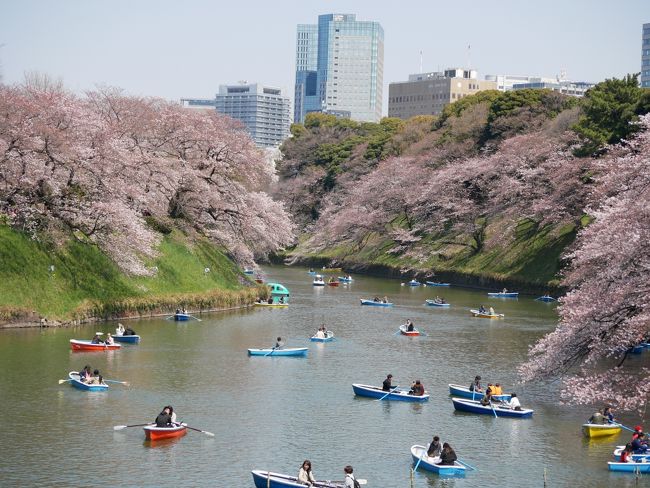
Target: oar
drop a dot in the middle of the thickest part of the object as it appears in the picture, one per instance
(418, 463)
(125, 383)
(270, 352)
(209, 434)
(361, 481)
(493, 410)
(120, 427)
(64, 381)
(389, 392)
(195, 318)
(466, 465)
(613, 423)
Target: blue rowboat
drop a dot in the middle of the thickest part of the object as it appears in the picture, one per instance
(636, 349)
(546, 298)
(414, 283)
(131, 339)
(638, 467)
(510, 294)
(377, 392)
(343, 279)
(464, 392)
(635, 457)
(77, 383)
(645, 344)
(269, 479)
(290, 351)
(375, 304)
(329, 337)
(249, 272)
(433, 303)
(501, 411)
(311, 273)
(436, 283)
(419, 454)
(182, 317)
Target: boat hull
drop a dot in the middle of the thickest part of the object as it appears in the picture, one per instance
(266, 479)
(181, 317)
(375, 304)
(377, 392)
(419, 454)
(129, 339)
(484, 315)
(295, 351)
(600, 430)
(629, 467)
(476, 407)
(343, 279)
(333, 283)
(79, 345)
(153, 433)
(510, 294)
(272, 305)
(328, 338)
(463, 392)
(432, 303)
(80, 385)
(413, 333)
(435, 283)
(414, 283)
(635, 457)
(546, 298)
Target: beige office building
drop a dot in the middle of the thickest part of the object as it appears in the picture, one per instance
(428, 93)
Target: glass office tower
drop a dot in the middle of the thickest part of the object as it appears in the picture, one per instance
(645, 57)
(349, 68)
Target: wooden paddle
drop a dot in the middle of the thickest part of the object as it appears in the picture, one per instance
(209, 434)
(389, 392)
(121, 427)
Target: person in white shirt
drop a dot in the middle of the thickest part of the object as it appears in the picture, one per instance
(320, 334)
(119, 331)
(514, 402)
(349, 477)
(305, 476)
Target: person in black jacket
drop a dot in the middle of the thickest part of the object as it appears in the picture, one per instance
(164, 418)
(447, 456)
(434, 448)
(387, 385)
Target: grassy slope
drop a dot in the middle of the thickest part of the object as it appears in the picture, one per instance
(532, 257)
(84, 275)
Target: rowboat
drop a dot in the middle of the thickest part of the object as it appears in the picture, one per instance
(501, 411)
(271, 305)
(311, 273)
(318, 280)
(249, 271)
(329, 337)
(79, 345)
(600, 430)
(633, 467)
(464, 392)
(486, 315)
(77, 383)
(500, 294)
(278, 290)
(290, 351)
(375, 304)
(546, 298)
(333, 283)
(419, 454)
(403, 330)
(344, 279)
(131, 339)
(154, 433)
(182, 317)
(636, 457)
(433, 303)
(414, 283)
(636, 349)
(259, 280)
(269, 479)
(377, 392)
(436, 283)
(331, 270)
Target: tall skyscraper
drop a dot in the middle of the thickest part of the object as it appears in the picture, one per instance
(340, 68)
(264, 111)
(645, 57)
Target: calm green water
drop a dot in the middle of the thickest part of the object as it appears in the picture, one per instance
(272, 413)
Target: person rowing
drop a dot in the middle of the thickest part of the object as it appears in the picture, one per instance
(487, 398)
(321, 333)
(86, 375)
(476, 385)
(166, 418)
(640, 444)
(96, 339)
(387, 385)
(279, 344)
(447, 456)
(409, 326)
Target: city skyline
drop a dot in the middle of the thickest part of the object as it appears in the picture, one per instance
(172, 51)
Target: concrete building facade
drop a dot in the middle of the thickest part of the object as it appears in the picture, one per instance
(515, 82)
(429, 93)
(645, 56)
(263, 110)
(349, 69)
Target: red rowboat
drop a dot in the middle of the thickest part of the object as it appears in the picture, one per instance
(333, 283)
(154, 433)
(403, 330)
(79, 345)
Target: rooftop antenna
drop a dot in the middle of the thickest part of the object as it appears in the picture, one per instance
(469, 56)
(420, 61)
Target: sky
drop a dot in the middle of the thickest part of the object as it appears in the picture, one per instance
(175, 49)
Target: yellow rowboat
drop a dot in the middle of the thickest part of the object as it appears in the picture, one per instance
(486, 315)
(272, 305)
(600, 430)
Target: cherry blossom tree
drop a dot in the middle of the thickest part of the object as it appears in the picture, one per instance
(607, 310)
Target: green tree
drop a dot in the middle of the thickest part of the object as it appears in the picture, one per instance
(610, 113)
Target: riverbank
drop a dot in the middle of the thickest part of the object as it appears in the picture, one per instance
(74, 282)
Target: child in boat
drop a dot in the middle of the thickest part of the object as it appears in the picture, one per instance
(305, 476)
(447, 456)
(435, 449)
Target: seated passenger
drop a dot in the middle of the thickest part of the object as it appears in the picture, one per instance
(320, 334)
(109, 339)
(85, 375)
(129, 331)
(597, 418)
(164, 418)
(434, 448)
(417, 388)
(640, 444)
(514, 402)
(496, 390)
(119, 330)
(278, 343)
(447, 456)
(476, 385)
(97, 340)
(625, 455)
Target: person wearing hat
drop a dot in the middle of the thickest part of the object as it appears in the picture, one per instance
(387, 385)
(476, 385)
(637, 431)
